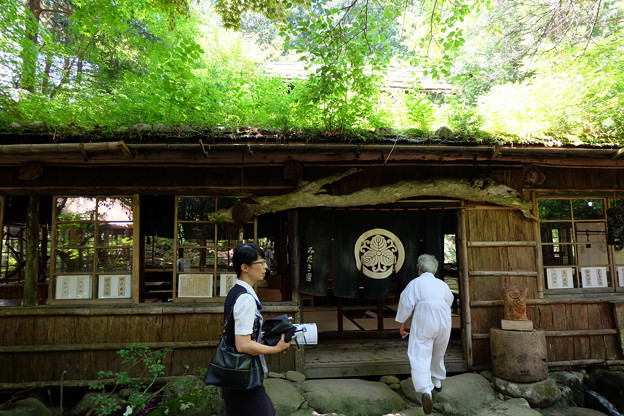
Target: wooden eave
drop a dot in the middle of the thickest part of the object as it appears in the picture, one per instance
(262, 153)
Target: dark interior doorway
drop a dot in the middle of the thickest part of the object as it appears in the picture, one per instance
(358, 336)
(336, 297)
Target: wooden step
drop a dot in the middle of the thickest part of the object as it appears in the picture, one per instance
(361, 358)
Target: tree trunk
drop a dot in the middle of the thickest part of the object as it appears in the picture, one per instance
(30, 52)
(45, 84)
(79, 71)
(32, 252)
(312, 194)
(65, 73)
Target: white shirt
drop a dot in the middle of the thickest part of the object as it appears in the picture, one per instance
(245, 310)
(428, 300)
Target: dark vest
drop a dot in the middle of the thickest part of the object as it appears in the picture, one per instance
(228, 316)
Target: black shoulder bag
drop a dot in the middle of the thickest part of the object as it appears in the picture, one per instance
(230, 369)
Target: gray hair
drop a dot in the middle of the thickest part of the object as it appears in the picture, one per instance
(427, 263)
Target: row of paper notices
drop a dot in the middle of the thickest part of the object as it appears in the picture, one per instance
(563, 277)
(110, 286)
(119, 286)
(199, 285)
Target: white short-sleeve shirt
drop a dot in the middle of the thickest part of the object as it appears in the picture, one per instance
(245, 310)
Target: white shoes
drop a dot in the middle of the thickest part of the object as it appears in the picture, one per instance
(437, 384)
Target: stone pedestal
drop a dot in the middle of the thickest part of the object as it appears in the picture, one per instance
(519, 356)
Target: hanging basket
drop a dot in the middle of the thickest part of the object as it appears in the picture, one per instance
(242, 213)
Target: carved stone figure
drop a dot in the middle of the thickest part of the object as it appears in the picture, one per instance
(514, 303)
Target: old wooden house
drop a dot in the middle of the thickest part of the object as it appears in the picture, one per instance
(107, 243)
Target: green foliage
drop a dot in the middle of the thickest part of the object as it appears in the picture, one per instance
(567, 102)
(346, 49)
(105, 66)
(462, 117)
(149, 365)
(198, 399)
(440, 33)
(232, 10)
(139, 393)
(421, 110)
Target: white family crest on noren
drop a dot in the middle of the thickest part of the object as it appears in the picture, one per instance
(379, 252)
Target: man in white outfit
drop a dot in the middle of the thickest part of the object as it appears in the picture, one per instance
(428, 301)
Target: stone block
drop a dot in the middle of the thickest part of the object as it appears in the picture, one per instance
(519, 356)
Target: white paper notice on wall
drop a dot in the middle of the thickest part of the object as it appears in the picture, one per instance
(620, 272)
(594, 276)
(114, 286)
(196, 285)
(560, 278)
(226, 282)
(73, 287)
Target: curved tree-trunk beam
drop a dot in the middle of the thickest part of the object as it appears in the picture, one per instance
(313, 195)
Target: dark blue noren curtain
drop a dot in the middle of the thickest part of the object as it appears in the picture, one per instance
(332, 236)
(351, 282)
(315, 234)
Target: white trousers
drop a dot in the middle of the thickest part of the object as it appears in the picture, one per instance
(426, 357)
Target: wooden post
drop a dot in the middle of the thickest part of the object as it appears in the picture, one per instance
(465, 287)
(294, 252)
(539, 261)
(32, 252)
(138, 248)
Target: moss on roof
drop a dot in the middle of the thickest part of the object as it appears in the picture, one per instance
(161, 133)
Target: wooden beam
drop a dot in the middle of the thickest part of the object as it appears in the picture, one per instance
(501, 243)
(582, 363)
(547, 301)
(618, 153)
(502, 273)
(570, 363)
(567, 333)
(103, 346)
(94, 309)
(79, 383)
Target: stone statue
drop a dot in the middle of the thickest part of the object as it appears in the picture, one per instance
(514, 303)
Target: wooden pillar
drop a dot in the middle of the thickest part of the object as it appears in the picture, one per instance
(539, 261)
(32, 252)
(138, 249)
(464, 290)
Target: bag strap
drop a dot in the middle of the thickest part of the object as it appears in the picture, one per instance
(226, 320)
(231, 315)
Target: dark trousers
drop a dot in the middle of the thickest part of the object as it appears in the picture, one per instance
(254, 402)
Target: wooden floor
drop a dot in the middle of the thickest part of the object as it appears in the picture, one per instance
(369, 357)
